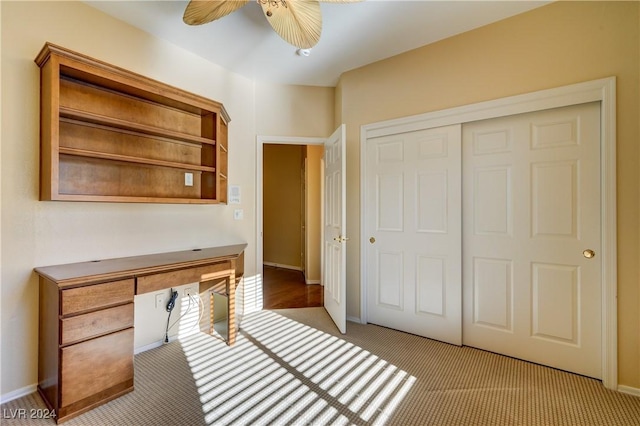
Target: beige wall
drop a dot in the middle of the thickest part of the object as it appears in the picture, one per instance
(282, 205)
(314, 212)
(555, 45)
(303, 111)
(38, 233)
(295, 111)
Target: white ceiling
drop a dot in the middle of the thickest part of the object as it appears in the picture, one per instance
(353, 35)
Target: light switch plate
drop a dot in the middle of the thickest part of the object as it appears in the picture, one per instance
(188, 179)
(238, 214)
(234, 194)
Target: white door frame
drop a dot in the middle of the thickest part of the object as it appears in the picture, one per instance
(602, 90)
(260, 142)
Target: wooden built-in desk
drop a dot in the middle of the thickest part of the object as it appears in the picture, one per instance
(85, 353)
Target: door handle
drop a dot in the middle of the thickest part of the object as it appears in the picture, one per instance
(588, 253)
(372, 240)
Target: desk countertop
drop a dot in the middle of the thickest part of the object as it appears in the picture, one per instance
(128, 267)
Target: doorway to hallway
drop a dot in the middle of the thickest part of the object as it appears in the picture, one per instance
(292, 225)
(331, 212)
(286, 288)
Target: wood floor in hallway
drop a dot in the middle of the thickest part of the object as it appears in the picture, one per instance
(286, 288)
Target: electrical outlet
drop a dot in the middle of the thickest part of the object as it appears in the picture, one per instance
(188, 292)
(188, 179)
(159, 300)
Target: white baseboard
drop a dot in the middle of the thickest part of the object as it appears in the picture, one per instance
(293, 268)
(280, 265)
(18, 393)
(354, 319)
(629, 390)
(153, 345)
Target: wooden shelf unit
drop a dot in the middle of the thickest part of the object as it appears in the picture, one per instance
(108, 134)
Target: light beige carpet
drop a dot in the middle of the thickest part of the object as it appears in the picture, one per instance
(293, 367)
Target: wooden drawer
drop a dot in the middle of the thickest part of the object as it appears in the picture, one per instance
(85, 326)
(91, 367)
(82, 299)
(149, 283)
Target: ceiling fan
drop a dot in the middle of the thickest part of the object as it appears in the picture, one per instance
(298, 22)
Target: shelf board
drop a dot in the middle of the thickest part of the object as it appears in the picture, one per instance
(138, 160)
(142, 129)
(110, 135)
(131, 199)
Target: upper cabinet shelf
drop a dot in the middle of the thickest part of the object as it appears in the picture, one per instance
(142, 129)
(108, 134)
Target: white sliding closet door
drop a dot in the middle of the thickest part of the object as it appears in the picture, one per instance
(531, 237)
(413, 227)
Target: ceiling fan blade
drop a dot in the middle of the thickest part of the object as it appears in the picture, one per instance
(298, 23)
(202, 11)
